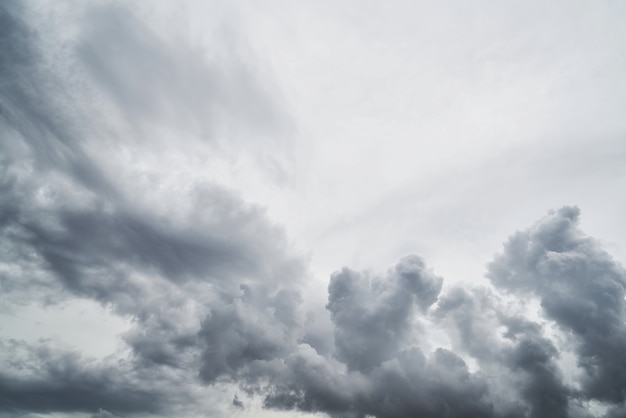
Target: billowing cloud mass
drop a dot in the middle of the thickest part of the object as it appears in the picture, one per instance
(214, 291)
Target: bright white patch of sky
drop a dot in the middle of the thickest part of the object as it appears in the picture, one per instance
(82, 324)
(440, 128)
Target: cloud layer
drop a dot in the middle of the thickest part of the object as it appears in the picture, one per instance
(214, 290)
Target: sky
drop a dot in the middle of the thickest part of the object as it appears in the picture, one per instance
(339, 209)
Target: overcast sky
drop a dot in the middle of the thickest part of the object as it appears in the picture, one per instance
(330, 208)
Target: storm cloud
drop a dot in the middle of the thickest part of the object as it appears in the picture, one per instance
(107, 130)
(580, 289)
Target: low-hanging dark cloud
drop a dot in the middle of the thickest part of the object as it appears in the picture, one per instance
(59, 380)
(581, 289)
(213, 288)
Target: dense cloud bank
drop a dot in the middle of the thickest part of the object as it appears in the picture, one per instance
(214, 290)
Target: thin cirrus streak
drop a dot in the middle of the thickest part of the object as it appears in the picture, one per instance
(114, 142)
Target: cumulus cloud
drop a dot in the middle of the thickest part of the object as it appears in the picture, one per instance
(581, 289)
(372, 318)
(213, 289)
(520, 353)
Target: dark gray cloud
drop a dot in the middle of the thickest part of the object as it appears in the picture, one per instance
(42, 378)
(372, 318)
(580, 288)
(408, 385)
(213, 289)
(240, 336)
(68, 228)
(378, 368)
(580, 293)
(237, 402)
